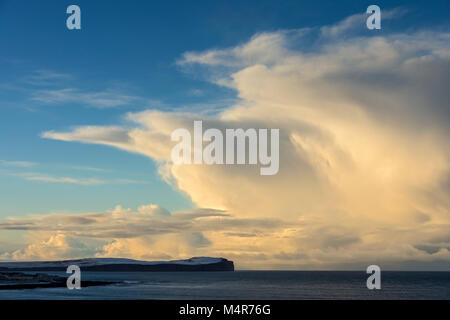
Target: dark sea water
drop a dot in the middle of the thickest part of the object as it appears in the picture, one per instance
(249, 285)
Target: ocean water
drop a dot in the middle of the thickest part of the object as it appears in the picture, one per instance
(290, 285)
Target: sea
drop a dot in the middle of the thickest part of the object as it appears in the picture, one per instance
(248, 285)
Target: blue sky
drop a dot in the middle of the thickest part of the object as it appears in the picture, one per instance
(126, 51)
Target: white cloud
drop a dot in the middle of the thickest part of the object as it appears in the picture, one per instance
(46, 77)
(354, 23)
(100, 99)
(31, 176)
(53, 247)
(262, 48)
(89, 181)
(85, 168)
(153, 209)
(24, 164)
(196, 92)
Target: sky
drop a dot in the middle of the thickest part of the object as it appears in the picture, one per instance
(86, 117)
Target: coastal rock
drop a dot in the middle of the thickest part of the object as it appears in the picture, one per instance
(128, 265)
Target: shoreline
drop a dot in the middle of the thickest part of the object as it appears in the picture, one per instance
(20, 281)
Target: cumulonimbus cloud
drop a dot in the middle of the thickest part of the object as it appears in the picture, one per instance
(364, 154)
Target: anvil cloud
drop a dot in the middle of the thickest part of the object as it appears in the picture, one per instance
(364, 157)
